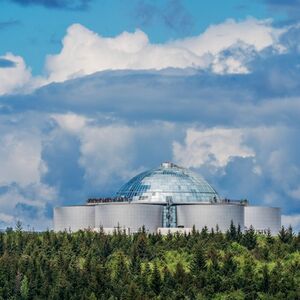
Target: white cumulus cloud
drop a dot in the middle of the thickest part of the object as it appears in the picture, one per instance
(85, 52)
(16, 77)
(216, 38)
(20, 158)
(214, 146)
(111, 152)
(106, 151)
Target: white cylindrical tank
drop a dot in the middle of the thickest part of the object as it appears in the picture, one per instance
(128, 215)
(263, 218)
(210, 215)
(74, 218)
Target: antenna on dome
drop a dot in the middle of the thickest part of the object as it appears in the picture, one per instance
(168, 164)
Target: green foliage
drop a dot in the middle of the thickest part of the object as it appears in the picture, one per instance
(155, 280)
(24, 288)
(285, 235)
(249, 239)
(199, 261)
(19, 227)
(200, 265)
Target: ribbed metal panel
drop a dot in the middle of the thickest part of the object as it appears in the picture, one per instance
(74, 218)
(128, 215)
(210, 215)
(263, 218)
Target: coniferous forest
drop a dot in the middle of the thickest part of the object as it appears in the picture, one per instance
(201, 265)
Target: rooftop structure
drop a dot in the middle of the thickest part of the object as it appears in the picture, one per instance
(166, 197)
(168, 182)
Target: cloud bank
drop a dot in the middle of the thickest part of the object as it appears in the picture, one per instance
(226, 48)
(85, 52)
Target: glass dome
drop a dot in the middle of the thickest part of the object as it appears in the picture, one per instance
(168, 184)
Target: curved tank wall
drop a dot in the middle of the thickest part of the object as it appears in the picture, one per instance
(200, 215)
(263, 218)
(128, 215)
(74, 218)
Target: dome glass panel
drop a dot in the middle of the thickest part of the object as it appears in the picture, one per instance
(168, 184)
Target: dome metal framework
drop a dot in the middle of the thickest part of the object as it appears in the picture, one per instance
(168, 183)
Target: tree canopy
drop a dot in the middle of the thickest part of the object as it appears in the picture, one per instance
(200, 265)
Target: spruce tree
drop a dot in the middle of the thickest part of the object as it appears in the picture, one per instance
(265, 283)
(168, 279)
(180, 274)
(135, 265)
(248, 280)
(155, 281)
(249, 239)
(204, 232)
(231, 233)
(144, 279)
(199, 261)
(1, 243)
(229, 265)
(283, 235)
(269, 237)
(142, 246)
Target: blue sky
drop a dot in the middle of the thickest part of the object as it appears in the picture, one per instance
(93, 92)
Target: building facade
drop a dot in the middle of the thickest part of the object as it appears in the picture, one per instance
(166, 197)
